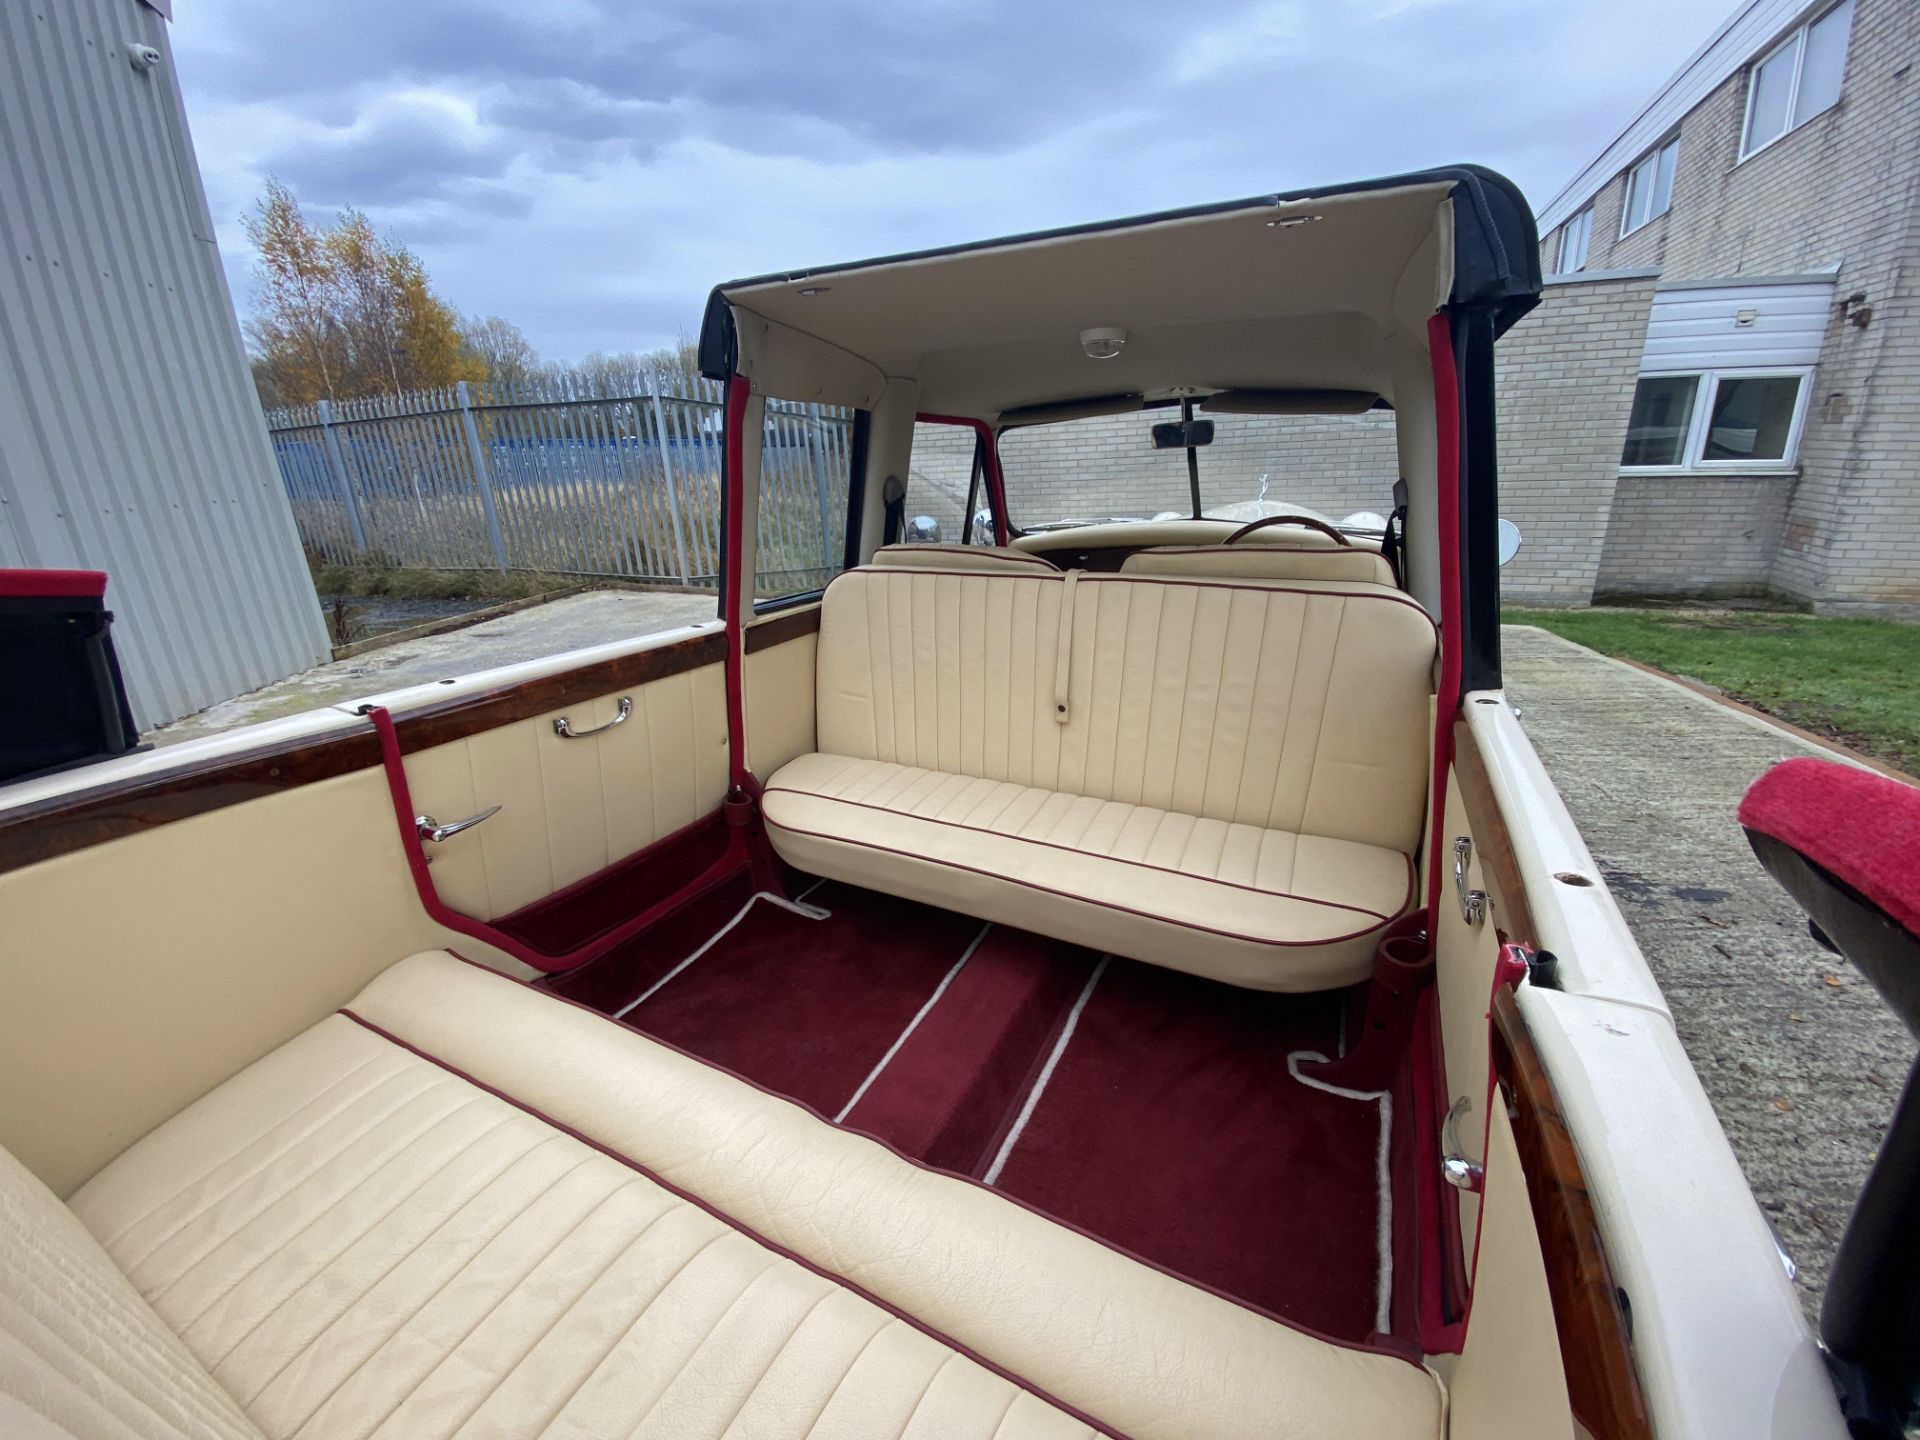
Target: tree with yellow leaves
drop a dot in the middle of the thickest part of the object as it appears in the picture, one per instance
(343, 311)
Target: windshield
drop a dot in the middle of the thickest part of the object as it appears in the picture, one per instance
(1104, 467)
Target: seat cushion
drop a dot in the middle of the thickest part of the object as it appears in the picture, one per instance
(1264, 908)
(466, 1206)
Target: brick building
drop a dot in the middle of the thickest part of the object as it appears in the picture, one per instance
(1770, 195)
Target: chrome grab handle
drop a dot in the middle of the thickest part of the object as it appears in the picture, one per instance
(567, 732)
(1473, 903)
(1458, 1168)
(432, 829)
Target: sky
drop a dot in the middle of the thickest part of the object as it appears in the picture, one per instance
(589, 169)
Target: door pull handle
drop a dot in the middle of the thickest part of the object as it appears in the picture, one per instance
(1473, 903)
(431, 829)
(567, 732)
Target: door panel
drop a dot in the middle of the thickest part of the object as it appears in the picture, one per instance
(780, 702)
(571, 807)
(1467, 956)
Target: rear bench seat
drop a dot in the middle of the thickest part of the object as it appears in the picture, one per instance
(465, 1206)
(1225, 775)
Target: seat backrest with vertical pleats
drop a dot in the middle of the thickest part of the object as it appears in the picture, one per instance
(1294, 705)
(80, 1351)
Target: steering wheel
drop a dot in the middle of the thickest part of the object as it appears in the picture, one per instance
(1307, 520)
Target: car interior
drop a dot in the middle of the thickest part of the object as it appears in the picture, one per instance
(1040, 985)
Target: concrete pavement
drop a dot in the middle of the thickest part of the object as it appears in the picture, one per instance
(595, 618)
(1800, 1058)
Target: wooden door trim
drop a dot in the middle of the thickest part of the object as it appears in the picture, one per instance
(63, 824)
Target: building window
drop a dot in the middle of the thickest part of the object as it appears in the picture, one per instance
(1716, 420)
(1574, 238)
(1797, 79)
(1650, 187)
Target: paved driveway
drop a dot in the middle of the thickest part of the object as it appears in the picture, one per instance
(573, 623)
(1802, 1061)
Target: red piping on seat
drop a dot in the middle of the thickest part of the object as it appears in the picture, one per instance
(996, 484)
(403, 813)
(1396, 1351)
(1097, 904)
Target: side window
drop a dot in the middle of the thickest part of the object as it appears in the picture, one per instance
(805, 465)
(1650, 187)
(1575, 237)
(946, 491)
(1716, 420)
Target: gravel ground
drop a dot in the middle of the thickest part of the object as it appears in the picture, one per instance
(1801, 1059)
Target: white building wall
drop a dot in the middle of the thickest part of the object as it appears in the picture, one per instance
(130, 437)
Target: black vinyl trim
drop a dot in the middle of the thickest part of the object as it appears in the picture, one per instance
(1473, 340)
(778, 603)
(973, 487)
(856, 486)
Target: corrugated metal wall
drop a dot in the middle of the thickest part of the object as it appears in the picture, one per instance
(130, 437)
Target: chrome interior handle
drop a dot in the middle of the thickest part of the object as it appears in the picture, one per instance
(432, 829)
(567, 732)
(1473, 903)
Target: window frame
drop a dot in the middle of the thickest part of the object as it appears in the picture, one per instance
(1796, 37)
(1560, 266)
(1650, 158)
(1706, 392)
(860, 422)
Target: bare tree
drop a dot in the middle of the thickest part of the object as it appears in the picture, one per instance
(509, 357)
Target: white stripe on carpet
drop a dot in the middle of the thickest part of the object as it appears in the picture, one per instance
(913, 1024)
(1383, 1223)
(810, 912)
(1046, 1074)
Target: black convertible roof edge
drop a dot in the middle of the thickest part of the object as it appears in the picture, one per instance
(1496, 249)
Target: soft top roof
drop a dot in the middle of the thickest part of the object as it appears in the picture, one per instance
(1308, 288)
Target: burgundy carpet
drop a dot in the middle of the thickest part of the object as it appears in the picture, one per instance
(1171, 1128)
(609, 981)
(587, 910)
(956, 1081)
(808, 1007)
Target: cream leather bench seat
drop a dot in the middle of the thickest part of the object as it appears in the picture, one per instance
(1225, 776)
(463, 1206)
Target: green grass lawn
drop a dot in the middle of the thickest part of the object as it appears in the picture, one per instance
(1856, 681)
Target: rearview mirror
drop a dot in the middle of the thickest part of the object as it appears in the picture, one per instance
(1179, 434)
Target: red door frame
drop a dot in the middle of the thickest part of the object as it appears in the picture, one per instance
(990, 444)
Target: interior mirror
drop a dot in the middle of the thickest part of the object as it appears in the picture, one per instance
(1509, 541)
(923, 530)
(1180, 434)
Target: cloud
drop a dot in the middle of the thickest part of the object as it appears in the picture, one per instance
(589, 168)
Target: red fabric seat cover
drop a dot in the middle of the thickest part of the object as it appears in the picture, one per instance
(1852, 823)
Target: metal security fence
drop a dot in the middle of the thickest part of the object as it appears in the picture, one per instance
(555, 476)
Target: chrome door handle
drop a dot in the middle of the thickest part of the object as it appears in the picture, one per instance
(432, 829)
(1473, 903)
(567, 732)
